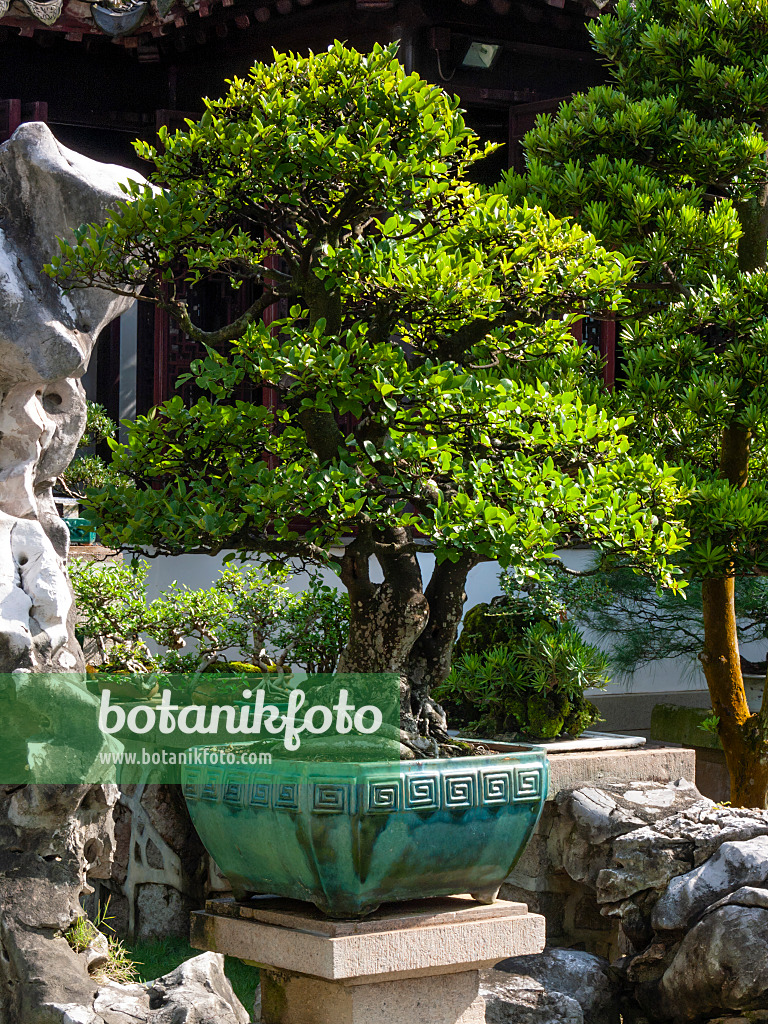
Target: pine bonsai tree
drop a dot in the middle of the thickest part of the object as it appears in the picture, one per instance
(432, 399)
(667, 164)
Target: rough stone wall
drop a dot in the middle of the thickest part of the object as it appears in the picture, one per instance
(541, 879)
(685, 883)
(161, 871)
(50, 836)
(570, 906)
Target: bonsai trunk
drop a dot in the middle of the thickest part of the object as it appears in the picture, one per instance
(385, 618)
(430, 659)
(397, 626)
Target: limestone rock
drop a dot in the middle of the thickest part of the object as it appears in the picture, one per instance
(646, 859)
(521, 1000)
(721, 965)
(571, 973)
(734, 865)
(197, 992)
(46, 338)
(48, 835)
(96, 953)
(746, 896)
(594, 821)
(47, 190)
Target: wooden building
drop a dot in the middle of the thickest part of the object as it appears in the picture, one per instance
(104, 73)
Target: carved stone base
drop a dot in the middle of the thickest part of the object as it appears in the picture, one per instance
(415, 962)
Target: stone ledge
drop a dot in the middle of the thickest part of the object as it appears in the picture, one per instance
(655, 762)
(452, 938)
(288, 913)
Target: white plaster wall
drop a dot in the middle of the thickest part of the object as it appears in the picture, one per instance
(482, 584)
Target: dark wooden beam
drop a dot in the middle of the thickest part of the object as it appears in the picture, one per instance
(499, 97)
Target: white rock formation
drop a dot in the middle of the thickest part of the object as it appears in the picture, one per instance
(46, 339)
(50, 835)
(734, 865)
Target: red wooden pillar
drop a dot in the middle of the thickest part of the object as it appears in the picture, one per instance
(10, 118)
(14, 112)
(606, 346)
(161, 389)
(608, 352)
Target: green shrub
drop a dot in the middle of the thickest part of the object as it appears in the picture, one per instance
(518, 673)
(248, 615)
(88, 471)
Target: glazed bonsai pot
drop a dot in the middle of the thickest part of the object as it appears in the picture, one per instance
(351, 836)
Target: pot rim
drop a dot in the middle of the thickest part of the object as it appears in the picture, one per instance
(530, 751)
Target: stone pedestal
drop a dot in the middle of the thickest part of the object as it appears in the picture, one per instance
(416, 962)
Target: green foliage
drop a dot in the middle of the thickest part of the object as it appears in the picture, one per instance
(667, 164)
(486, 625)
(249, 610)
(98, 425)
(639, 625)
(435, 315)
(119, 965)
(710, 724)
(516, 672)
(88, 471)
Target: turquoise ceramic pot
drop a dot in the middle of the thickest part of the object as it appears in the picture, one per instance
(348, 837)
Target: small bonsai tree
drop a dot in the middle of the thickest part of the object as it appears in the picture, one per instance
(431, 398)
(667, 164)
(518, 671)
(88, 470)
(248, 620)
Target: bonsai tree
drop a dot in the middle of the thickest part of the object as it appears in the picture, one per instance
(432, 399)
(517, 670)
(249, 613)
(88, 469)
(667, 164)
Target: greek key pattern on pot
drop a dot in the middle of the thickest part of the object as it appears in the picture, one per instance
(408, 791)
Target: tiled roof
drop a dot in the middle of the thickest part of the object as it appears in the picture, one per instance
(121, 18)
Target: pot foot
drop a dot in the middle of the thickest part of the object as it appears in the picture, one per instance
(486, 895)
(243, 895)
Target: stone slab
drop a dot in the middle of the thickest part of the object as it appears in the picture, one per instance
(298, 999)
(429, 945)
(287, 913)
(589, 740)
(654, 762)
